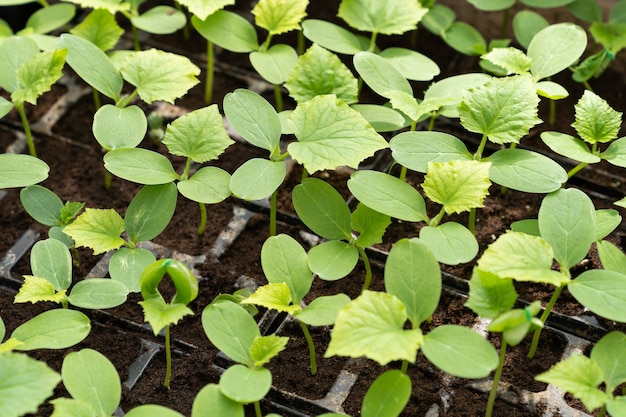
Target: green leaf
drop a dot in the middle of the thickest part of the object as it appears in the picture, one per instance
(150, 211)
(603, 292)
(245, 385)
(333, 37)
(388, 395)
(199, 135)
(490, 295)
(551, 90)
(451, 242)
(526, 24)
(452, 89)
(412, 275)
(515, 324)
(596, 121)
(160, 75)
(610, 355)
(15, 51)
(211, 402)
(17, 170)
(2, 329)
(119, 127)
(98, 293)
(112, 6)
(257, 178)
(411, 64)
(318, 72)
(612, 257)
(580, 376)
(333, 259)
(372, 325)
(457, 185)
(99, 28)
(274, 296)
(569, 146)
(588, 11)
(460, 351)
(160, 314)
(382, 118)
(231, 329)
(126, 266)
(322, 209)
(380, 75)
(388, 195)
(331, 134)
(35, 289)
(275, 64)
(42, 204)
(511, 59)
(389, 17)
(25, 383)
(438, 18)
(51, 259)
(616, 406)
(47, 19)
(504, 109)
(90, 377)
(567, 222)
(140, 165)
(492, 5)
(280, 16)
(203, 8)
(555, 48)
(284, 260)
(160, 20)
(546, 4)
(323, 310)
(208, 185)
(616, 153)
(98, 229)
(92, 65)
(253, 118)
(611, 35)
(53, 329)
(150, 410)
(228, 30)
(37, 75)
(415, 150)
(521, 257)
(264, 348)
(607, 221)
(370, 225)
(465, 39)
(5, 107)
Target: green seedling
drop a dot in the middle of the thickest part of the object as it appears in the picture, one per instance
(17, 170)
(234, 332)
(27, 73)
(146, 217)
(594, 379)
(596, 123)
(323, 210)
(273, 63)
(158, 312)
(374, 324)
(329, 134)
(43, 21)
(286, 267)
(51, 278)
(457, 186)
(199, 136)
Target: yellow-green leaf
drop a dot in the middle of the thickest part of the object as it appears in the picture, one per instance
(596, 121)
(38, 74)
(36, 289)
(98, 229)
(275, 296)
(280, 16)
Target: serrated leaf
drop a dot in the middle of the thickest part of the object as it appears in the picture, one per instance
(457, 185)
(280, 16)
(160, 314)
(98, 229)
(199, 135)
(369, 224)
(323, 310)
(511, 59)
(160, 75)
(412, 108)
(204, 8)
(504, 109)
(99, 28)
(228, 30)
(208, 185)
(276, 63)
(264, 348)
(389, 17)
(555, 48)
(610, 355)
(569, 146)
(38, 74)
(112, 6)
(333, 259)
(372, 325)
(318, 72)
(333, 37)
(415, 150)
(601, 291)
(35, 289)
(451, 242)
(452, 89)
(119, 127)
(490, 295)
(284, 260)
(580, 376)
(610, 35)
(275, 296)
(331, 134)
(257, 178)
(596, 121)
(140, 165)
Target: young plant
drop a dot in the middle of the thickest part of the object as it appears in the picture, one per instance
(158, 312)
(27, 74)
(234, 332)
(286, 267)
(583, 376)
(374, 324)
(596, 123)
(17, 170)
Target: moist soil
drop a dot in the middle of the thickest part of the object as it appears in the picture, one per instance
(77, 174)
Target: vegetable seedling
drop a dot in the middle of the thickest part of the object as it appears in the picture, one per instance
(161, 314)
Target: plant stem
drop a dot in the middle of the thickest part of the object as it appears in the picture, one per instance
(431, 123)
(168, 358)
(210, 73)
(136, 43)
(278, 97)
(403, 172)
(543, 318)
(505, 23)
(496, 380)
(471, 222)
(309, 342)
(577, 168)
(552, 114)
(368, 268)
(273, 203)
(96, 99)
(435, 221)
(479, 152)
(29, 135)
(108, 177)
(257, 409)
(602, 411)
(202, 225)
(372, 46)
(301, 43)
(405, 366)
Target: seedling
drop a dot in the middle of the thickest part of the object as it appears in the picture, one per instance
(161, 314)
(234, 332)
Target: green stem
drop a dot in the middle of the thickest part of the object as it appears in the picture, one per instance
(168, 358)
(496, 380)
(403, 172)
(587, 85)
(96, 99)
(136, 43)
(479, 152)
(405, 366)
(372, 46)
(301, 43)
(471, 222)
(108, 177)
(180, 8)
(368, 268)
(257, 409)
(602, 411)
(278, 97)
(125, 101)
(44, 3)
(543, 318)
(435, 221)
(210, 73)
(309, 342)
(552, 115)
(577, 168)
(202, 225)
(273, 209)
(431, 123)
(29, 135)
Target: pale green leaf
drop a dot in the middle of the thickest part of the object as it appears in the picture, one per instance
(569, 146)
(98, 293)
(160, 314)
(98, 229)
(318, 72)
(551, 90)
(414, 110)
(596, 121)
(617, 406)
(99, 28)
(208, 185)
(204, 8)
(380, 75)
(389, 17)
(438, 18)
(71, 407)
(127, 265)
(112, 6)
(504, 109)
(280, 16)
(555, 48)
(388, 395)
(211, 402)
(333, 259)
(257, 178)
(610, 35)
(607, 220)
(465, 38)
(15, 51)
(276, 63)
(616, 153)
(490, 295)
(323, 310)
(526, 24)
(331, 134)
(603, 292)
(245, 384)
(47, 19)
(611, 256)
(119, 127)
(370, 225)
(452, 89)
(53, 329)
(228, 30)
(160, 20)
(492, 5)
(17, 170)
(264, 348)
(381, 117)
(334, 37)
(5, 107)
(415, 150)
(38, 74)
(610, 355)
(372, 325)
(35, 289)
(411, 64)
(151, 410)
(140, 165)
(150, 211)
(457, 185)
(51, 259)
(284, 260)
(275, 296)
(451, 242)
(511, 59)
(160, 75)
